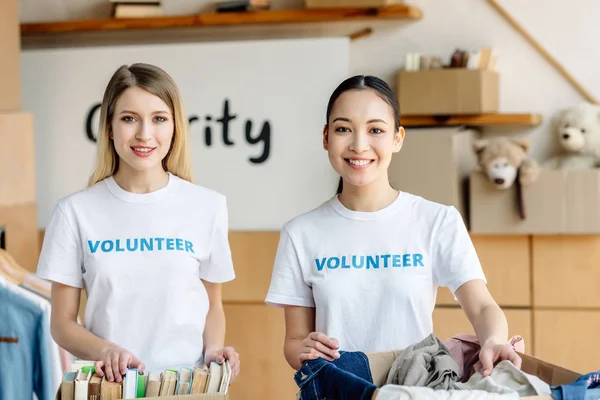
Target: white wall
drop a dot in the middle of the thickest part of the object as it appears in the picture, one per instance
(528, 82)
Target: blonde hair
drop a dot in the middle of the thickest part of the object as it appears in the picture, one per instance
(159, 83)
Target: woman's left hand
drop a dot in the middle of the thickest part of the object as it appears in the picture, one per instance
(492, 353)
(220, 355)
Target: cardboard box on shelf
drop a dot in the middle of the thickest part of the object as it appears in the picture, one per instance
(451, 91)
(19, 229)
(435, 163)
(10, 47)
(349, 3)
(17, 159)
(558, 202)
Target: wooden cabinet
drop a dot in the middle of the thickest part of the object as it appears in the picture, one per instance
(257, 333)
(253, 256)
(506, 264)
(566, 271)
(448, 322)
(568, 338)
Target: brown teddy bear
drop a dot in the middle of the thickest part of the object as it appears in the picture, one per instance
(506, 161)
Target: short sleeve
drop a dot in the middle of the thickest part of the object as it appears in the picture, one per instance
(61, 257)
(455, 261)
(287, 284)
(219, 267)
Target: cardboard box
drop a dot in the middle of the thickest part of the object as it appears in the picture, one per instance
(558, 202)
(17, 159)
(451, 91)
(435, 164)
(549, 373)
(349, 3)
(19, 227)
(10, 49)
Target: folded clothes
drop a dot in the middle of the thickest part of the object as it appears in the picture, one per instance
(425, 364)
(396, 392)
(586, 387)
(506, 378)
(346, 378)
(464, 349)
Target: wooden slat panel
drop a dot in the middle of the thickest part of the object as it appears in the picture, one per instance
(448, 322)
(566, 271)
(225, 19)
(568, 338)
(506, 264)
(257, 333)
(17, 157)
(253, 257)
(471, 120)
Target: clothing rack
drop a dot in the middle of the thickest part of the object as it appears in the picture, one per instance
(26, 311)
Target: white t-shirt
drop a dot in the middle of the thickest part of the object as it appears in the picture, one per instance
(373, 276)
(141, 258)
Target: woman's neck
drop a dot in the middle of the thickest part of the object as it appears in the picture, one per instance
(370, 198)
(134, 181)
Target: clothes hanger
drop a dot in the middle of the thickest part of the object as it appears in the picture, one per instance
(8, 273)
(12, 262)
(24, 275)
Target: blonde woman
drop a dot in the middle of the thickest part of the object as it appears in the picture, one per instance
(149, 247)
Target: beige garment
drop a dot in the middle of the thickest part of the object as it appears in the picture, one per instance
(427, 363)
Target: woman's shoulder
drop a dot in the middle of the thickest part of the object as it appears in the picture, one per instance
(198, 194)
(432, 212)
(319, 215)
(84, 196)
(424, 205)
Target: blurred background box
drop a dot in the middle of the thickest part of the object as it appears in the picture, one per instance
(350, 3)
(435, 163)
(451, 91)
(558, 202)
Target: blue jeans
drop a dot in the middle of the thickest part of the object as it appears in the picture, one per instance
(583, 388)
(347, 378)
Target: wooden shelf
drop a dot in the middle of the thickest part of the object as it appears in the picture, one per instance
(224, 19)
(471, 120)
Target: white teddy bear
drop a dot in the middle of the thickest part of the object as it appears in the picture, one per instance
(578, 130)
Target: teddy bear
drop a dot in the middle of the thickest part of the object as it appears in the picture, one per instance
(578, 132)
(502, 159)
(506, 161)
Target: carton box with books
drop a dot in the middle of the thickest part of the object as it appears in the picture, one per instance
(350, 3)
(466, 84)
(452, 91)
(203, 383)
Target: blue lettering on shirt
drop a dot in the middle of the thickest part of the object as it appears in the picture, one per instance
(141, 244)
(382, 261)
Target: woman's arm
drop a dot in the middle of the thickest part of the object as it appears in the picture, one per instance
(80, 342)
(489, 323)
(301, 342)
(488, 320)
(214, 331)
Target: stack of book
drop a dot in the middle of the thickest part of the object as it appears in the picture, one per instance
(85, 383)
(135, 8)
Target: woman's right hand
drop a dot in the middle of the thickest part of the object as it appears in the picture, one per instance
(114, 363)
(318, 345)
